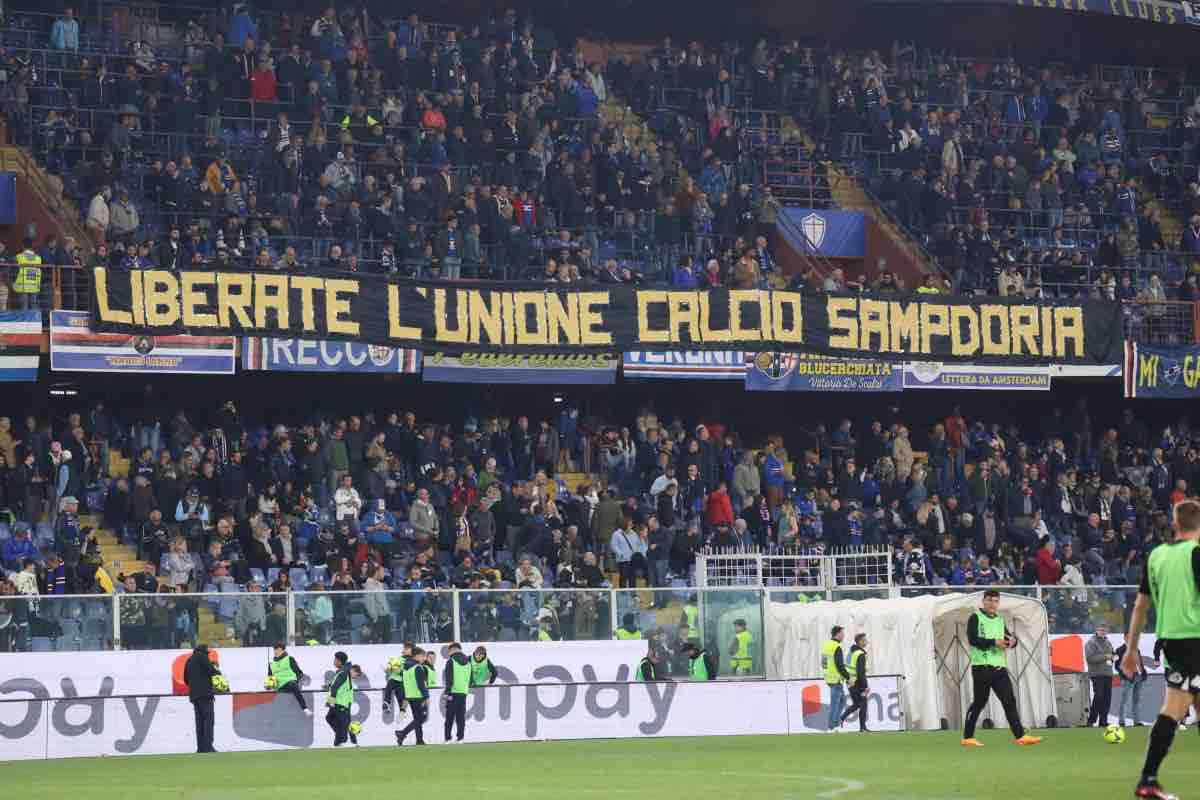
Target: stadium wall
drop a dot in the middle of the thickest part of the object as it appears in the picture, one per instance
(156, 724)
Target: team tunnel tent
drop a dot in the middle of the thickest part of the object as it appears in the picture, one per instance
(925, 640)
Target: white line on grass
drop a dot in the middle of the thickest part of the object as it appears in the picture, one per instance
(847, 785)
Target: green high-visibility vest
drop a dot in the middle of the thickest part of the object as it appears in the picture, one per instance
(855, 657)
(543, 635)
(481, 672)
(431, 681)
(623, 633)
(741, 657)
(699, 669)
(460, 677)
(692, 615)
(829, 662)
(281, 670)
(411, 690)
(641, 670)
(1173, 588)
(344, 695)
(396, 674)
(989, 628)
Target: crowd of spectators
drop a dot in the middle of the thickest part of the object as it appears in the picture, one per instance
(407, 147)
(1025, 179)
(370, 502)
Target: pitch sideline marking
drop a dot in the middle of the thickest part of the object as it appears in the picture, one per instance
(848, 785)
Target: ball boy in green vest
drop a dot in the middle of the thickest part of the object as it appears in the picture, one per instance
(457, 679)
(394, 672)
(340, 698)
(988, 639)
(701, 664)
(287, 674)
(416, 694)
(1171, 584)
(483, 671)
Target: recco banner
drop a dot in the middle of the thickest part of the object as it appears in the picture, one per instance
(301, 355)
(532, 318)
(35, 729)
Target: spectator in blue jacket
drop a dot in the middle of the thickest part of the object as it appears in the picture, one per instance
(242, 27)
(713, 180)
(64, 35)
(379, 525)
(19, 548)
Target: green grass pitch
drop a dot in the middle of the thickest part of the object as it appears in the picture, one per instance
(896, 766)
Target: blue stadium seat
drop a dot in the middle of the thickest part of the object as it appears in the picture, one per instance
(299, 576)
(257, 576)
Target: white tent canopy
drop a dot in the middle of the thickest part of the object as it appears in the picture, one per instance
(925, 640)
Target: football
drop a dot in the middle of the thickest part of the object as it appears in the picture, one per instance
(270, 683)
(220, 683)
(1114, 734)
(356, 728)
(395, 663)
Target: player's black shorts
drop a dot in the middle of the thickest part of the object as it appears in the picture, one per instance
(1183, 661)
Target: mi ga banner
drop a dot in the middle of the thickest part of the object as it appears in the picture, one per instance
(530, 368)
(533, 318)
(1162, 373)
(799, 372)
(306, 355)
(833, 234)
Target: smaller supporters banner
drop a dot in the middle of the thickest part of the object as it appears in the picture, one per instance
(20, 345)
(699, 364)
(833, 234)
(520, 368)
(801, 372)
(1162, 373)
(976, 376)
(302, 355)
(75, 347)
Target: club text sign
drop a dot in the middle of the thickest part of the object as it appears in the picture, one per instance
(535, 318)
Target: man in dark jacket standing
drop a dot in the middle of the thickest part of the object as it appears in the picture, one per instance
(457, 679)
(198, 675)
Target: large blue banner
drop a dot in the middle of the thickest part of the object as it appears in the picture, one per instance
(303, 355)
(800, 372)
(1162, 373)
(833, 234)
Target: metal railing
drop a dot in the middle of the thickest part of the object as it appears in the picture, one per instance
(238, 618)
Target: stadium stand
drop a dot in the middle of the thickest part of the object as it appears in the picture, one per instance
(494, 151)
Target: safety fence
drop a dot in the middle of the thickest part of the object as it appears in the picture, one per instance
(235, 618)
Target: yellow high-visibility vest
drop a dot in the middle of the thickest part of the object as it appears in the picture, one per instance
(29, 276)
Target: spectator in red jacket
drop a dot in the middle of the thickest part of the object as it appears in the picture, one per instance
(718, 510)
(1049, 568)
(956, 434)
(262, 83)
